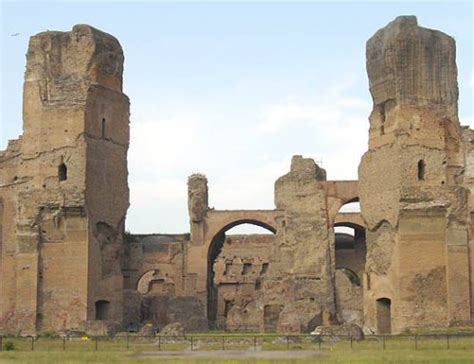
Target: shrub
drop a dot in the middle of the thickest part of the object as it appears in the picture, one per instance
(9, 346)
(49, 334)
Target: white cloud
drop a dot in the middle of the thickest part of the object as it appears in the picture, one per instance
(249, 188)
(341, 123)
(163, 152)
(166, 146)
(280, 116)
(472, 78)
(158, 205)
(310, 113)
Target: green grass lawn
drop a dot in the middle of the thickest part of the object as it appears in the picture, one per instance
(329, 356)
(371, 350)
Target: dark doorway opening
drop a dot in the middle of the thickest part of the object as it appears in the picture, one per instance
(271, 314)
(384, 316)
(102, 310)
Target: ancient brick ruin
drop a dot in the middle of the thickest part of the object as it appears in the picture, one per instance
(67, 264)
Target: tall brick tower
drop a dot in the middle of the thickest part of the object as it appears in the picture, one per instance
(63, 188)
(411, 183)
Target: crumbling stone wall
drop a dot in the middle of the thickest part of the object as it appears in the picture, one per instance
(239, 271)
(349, 298)
(410, 180)
(468, 180)
(232, 280)
(298, 290)
(64, 186)
(155, 271)
(155, 284)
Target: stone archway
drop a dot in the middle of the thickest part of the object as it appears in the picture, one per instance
(350, 248)
(214, 248)
(207, 227)
(350, 252)
(339, 193)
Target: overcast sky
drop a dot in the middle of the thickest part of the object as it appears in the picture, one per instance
(232, 90)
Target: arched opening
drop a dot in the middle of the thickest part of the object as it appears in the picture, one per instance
(157, 283)
(350, 247)
(421, 170)
(384, 316)
(62, 172)
(351, 206)
(352, 276)
(350, 255)
(238, 258)
(102, 310)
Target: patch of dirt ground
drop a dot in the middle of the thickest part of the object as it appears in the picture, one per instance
(232, 354)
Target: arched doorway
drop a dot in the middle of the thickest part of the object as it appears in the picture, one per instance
(351, 206)
(350, 247)
(350, 257)
(227, 274)
(384, 316)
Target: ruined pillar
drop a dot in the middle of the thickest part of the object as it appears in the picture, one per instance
(298, 290)
(196, 270)
(198, 206)
(410, 188)
(64, 186)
